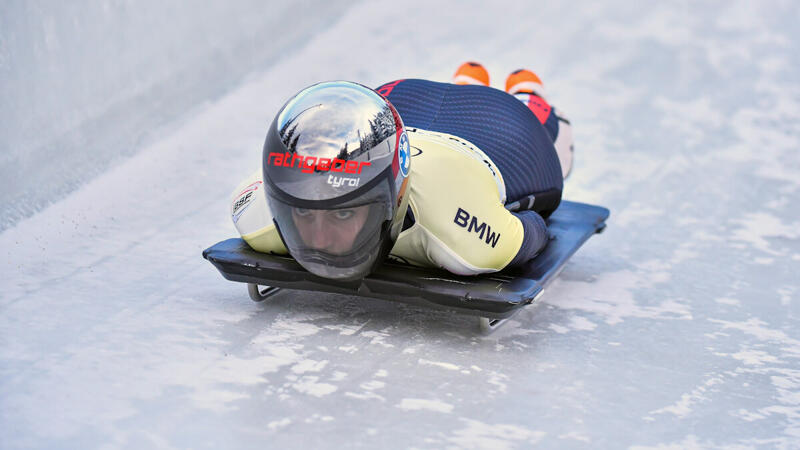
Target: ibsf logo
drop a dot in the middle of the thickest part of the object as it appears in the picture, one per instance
(243, 200)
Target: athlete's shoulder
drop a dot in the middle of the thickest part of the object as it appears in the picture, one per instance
(243, 200)
(252, 218)
(448, 152)
(457, 196)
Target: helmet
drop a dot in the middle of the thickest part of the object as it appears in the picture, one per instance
(336, 163)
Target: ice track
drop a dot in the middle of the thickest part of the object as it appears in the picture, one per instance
(676, 328)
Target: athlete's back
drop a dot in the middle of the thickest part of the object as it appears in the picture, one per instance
(494, 121)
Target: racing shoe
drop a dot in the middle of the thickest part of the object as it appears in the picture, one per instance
(471, 73)
(524, 81)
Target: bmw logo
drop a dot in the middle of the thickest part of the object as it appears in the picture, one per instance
(404, 154)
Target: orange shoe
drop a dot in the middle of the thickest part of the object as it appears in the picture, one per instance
(471, 73)
(524, 81)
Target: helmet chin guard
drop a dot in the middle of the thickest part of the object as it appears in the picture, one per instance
(336, 163)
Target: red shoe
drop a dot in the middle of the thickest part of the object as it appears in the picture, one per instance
(523, 81)
(471, 73)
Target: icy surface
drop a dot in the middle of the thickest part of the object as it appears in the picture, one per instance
(676, 328)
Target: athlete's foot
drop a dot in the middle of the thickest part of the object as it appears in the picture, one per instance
(524, 81)
(471, 73)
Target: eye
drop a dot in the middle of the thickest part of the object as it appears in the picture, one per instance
(302, 212)
(344, 214)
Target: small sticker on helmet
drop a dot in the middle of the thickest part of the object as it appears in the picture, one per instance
(404, 151)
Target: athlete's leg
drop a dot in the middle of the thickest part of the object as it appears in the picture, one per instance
(528, 88)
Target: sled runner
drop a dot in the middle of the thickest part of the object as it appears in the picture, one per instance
(493, 297)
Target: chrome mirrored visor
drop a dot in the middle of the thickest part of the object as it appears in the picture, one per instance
(337, 243)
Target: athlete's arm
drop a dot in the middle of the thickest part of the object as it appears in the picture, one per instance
(534, 237)
(252, 218)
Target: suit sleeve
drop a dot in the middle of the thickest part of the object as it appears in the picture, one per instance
(534, 238)
(252, 218)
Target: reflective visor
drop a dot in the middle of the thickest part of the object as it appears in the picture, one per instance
(339, 243)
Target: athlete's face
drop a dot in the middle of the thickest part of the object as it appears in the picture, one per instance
(330, 230)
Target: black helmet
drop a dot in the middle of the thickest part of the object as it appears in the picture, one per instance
(336, 164)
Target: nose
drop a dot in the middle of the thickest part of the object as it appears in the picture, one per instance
(321, 238)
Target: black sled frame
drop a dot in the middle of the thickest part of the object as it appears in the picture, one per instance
(494, 298)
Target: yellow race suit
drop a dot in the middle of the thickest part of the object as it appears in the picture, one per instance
(457, 220)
